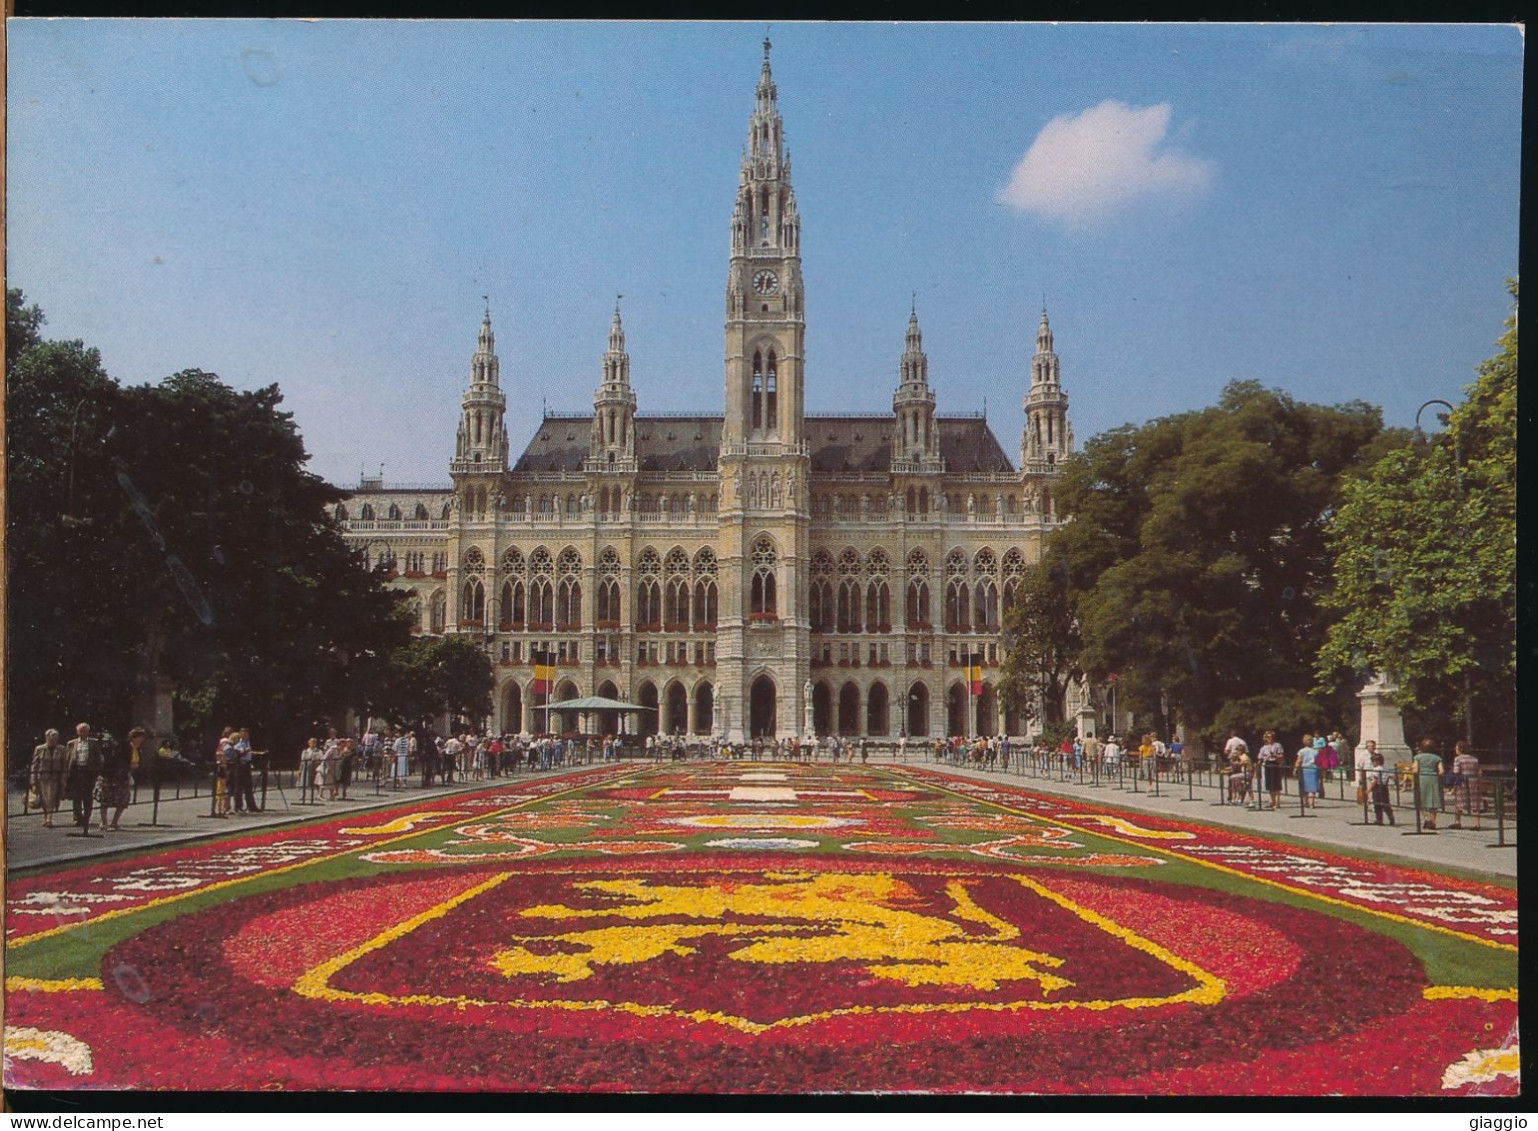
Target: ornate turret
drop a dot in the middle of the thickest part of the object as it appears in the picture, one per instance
(612, 446)
(764, 298)
(1048, 437)
(482, 442)
(915, 439)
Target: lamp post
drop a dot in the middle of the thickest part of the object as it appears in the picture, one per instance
(1420, 442)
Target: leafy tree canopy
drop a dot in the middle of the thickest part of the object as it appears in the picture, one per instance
(1195, 554)
(1424, 546)
(172, 530)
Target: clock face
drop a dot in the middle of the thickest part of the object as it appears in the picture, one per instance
(766, 282)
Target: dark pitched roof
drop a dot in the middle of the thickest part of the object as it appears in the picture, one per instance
(691, 443)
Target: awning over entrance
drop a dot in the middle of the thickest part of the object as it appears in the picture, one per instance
(597, 703)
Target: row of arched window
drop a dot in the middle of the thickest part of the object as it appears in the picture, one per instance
(393, 513)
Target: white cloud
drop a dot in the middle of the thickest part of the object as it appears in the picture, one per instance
(1084, 167)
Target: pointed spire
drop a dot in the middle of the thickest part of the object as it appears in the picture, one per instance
(914, 367)
(1044, 333)
(617, 330)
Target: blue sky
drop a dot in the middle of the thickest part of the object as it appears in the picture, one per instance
(1328, 210)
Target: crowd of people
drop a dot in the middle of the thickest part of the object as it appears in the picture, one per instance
(95, 773)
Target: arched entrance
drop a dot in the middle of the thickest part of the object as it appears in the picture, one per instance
(512, 708)
(876, 711)
(987, 711)
(704, 709)
(956, 711)
(646, 721)
(1011, 720)
(608, 721)
(761, 708)
(822, 708)
(918, 710)
(849, 709)
(677, 716)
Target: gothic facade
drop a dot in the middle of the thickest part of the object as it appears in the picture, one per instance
(761, 571)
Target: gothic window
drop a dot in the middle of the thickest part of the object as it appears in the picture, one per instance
(512, 561)
(918, 602)
(956, 564)
(421, 514)
(705, 594)
(571, 506)
(474, 561)
(444, 514)
(911, 500)
(849, 605)
(568, 612)
(1046, 502)
(437, 611)
(544, 505)
(394, 513)
(771, 386)
(985, 563)
(473, 602)
(762, 598)
(821, 613)
(878, 606)
(1014, 573)
(986, 606)
(608, 601)
(341, 513)
(676, 609)
(367, 513)
(512, 603)
(648, 590)
(758, 389)
(923, 500)
(957, 606)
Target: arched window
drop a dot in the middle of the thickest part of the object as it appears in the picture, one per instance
(918, 603)
(771, 386)
(648, 609)
(985, 606)
(472, 606)
(878, 606)
(512, 603)
(367, 513)
(705, 600)
(341, 513)
(758, 389)
(676, 607)
(957, 606)
(394, 513)
(763, 604)
(608, 586)
(421, 514)
(437, 611)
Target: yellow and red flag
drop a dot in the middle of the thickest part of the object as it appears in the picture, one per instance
(975, 672)
(544, 670)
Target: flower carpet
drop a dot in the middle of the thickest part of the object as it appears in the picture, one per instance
(760, 927)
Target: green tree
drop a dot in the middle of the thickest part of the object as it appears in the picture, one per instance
(1196, 548)
(433, 675)
(1041, 636)
(1424, 549)
(188, 541)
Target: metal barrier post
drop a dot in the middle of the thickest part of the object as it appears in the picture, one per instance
(1415, 792)
(1302, 800)
(1500, 814)
(154, 821)
(213, 795)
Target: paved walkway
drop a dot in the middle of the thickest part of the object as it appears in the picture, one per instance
(28, 843)
(1336, 823)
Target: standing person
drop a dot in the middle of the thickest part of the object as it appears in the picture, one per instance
(1377, 777)
(307, 759)
(1362, 763)
(1238, 769)
(427, 751)
(1307, 766)
(49, 762)
(402, 760)
(115, 787)
(245, 760)
(1465, 785)
(83, 756)
(1428, 780)
(1271, 756)
(864, 752)
(1328, 758)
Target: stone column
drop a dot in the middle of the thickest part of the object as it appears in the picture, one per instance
(1380, 719)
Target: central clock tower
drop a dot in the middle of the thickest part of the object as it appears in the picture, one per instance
(762, 637)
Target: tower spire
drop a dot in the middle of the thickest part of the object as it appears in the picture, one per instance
(916, 439)
(612, 444)
(1048, 437)
(482, 440)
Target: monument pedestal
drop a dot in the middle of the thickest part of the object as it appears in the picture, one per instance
(1380, 720)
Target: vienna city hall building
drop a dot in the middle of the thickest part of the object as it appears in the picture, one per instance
(761, 571)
